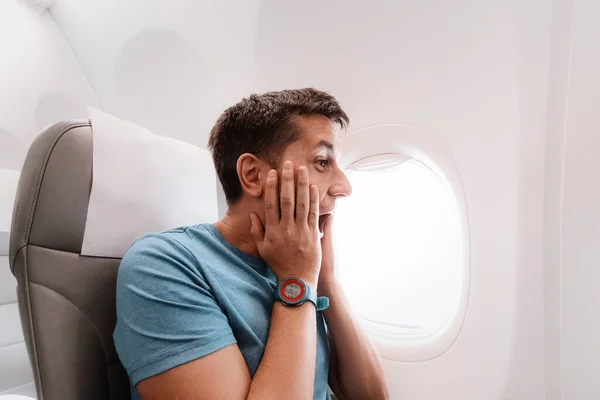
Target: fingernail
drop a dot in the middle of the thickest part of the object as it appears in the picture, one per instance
(288, 165)
(302, 172)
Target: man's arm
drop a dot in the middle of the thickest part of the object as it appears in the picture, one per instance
(287, 368)
(289, 243)
(355, 370)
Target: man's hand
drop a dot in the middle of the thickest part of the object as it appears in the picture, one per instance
(327, 274)
(289, 242)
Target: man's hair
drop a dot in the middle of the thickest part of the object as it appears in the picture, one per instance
(264, 125)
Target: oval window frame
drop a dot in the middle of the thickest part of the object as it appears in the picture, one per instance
(422, 146)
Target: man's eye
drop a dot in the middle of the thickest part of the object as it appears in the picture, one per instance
(323, 163)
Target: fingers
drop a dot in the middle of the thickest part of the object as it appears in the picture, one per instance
(271, 200)
(313, 213)
(302, 196)
(287, 193)
(257, 231)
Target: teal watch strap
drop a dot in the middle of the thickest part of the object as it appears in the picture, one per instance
(322, 303)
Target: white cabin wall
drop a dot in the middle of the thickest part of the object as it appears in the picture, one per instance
(580, 275)
(170, 66)
(558, 85)
(40, 81)
(527, 380)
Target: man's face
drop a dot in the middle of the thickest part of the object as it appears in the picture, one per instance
(316, 149)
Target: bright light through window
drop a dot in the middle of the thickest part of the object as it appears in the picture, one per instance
(399, 247)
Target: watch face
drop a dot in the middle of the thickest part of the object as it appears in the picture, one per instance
(292, 290)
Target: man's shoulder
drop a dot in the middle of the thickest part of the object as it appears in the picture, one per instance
(173, 248)
(173, 240)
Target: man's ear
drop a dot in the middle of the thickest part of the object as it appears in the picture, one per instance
(250, 173)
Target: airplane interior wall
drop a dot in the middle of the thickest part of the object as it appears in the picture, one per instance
(507, 86)
(40, 81)
(580, 255)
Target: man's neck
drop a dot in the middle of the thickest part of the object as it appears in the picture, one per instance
(235, 227)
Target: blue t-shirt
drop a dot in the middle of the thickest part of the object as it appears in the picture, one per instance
(187, 292)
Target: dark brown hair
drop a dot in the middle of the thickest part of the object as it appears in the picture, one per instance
(263, 125)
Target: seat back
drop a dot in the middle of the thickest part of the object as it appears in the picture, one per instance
(66, 300)
(15, 369)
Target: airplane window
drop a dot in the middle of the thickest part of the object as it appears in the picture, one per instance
(399, 246)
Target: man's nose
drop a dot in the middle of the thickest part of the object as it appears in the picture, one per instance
(341, 186)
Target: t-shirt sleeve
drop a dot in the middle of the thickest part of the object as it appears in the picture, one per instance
(166, 312)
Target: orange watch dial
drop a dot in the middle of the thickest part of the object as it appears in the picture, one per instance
(292, 290)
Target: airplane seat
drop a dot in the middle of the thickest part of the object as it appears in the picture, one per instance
(15, 370)
(66, 300)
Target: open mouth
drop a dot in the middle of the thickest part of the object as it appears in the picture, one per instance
(322, 218)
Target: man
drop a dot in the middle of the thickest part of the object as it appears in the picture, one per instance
(227, 310)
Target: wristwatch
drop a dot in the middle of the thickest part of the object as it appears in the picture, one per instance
(293, 292)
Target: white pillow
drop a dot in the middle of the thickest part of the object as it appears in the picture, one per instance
(143, 183)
